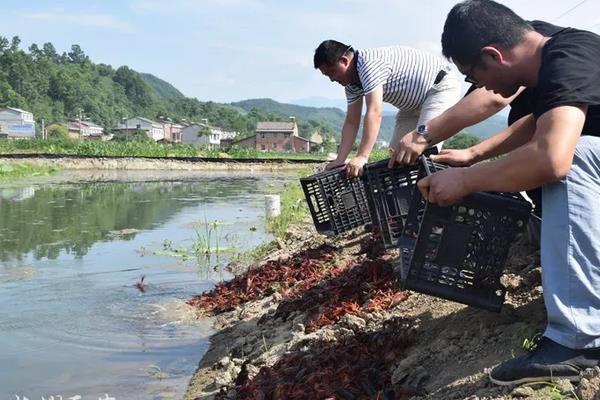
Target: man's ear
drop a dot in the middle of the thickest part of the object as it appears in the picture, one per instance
(344, 60)
(491, 54)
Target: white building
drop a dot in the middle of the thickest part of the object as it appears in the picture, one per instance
(205, 134)
(16, 123)
(154, 130)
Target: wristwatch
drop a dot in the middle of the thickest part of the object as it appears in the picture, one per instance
(423, 131)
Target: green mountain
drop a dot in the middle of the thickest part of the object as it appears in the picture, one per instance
(330, 115)
(161, 88)
(489, 127)
(328, 121)
(57, 86)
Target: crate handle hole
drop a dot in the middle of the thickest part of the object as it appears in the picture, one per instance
(314, 202)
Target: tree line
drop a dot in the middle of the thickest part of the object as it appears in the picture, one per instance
(55, 86)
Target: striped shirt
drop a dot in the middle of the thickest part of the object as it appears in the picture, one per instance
(406, 75)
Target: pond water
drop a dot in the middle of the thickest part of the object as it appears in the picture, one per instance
(72, 247)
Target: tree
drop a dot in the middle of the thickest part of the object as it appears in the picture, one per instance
(204, 131)
(3, 44)
(137, 135)
(461, 141)
(14, 45)
(50, 52)
(57, 131)
(35, 51)
(76, 55)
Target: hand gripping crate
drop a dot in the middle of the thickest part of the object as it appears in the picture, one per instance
(389, 191)
(337, 203)
(458, 252)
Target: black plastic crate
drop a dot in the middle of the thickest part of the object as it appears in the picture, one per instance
(389, 191)
(337, 204)
(458, 252)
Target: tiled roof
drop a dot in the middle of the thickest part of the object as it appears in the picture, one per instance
(18, 110)
(275, 126)
(304, 140)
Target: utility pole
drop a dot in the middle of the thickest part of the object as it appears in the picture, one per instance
(43, 130)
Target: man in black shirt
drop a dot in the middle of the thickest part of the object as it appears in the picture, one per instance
(556, 147)
(477, 105)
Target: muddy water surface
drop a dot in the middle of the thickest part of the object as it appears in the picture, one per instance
(72, 247)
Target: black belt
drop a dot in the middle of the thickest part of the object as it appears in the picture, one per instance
(439, 77)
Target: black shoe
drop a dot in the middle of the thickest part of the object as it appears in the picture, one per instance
(549, 361)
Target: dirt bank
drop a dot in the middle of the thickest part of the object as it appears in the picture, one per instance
(323, 319)
(134, 163)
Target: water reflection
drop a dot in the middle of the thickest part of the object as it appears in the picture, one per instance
(71, 253)
(72, 218)
(17, 194)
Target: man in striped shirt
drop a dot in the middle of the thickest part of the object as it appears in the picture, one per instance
(418, 83)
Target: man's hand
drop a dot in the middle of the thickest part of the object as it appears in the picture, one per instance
(456, 158)
(355, 166)
(334, 164)
(445, 187)
(408, 149)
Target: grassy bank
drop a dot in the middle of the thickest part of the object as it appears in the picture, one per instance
(293, 207)
(9, 172)
(138, 149)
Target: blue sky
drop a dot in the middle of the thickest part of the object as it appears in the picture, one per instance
(228, 50)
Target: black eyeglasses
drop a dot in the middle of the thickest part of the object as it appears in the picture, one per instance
(469, 76)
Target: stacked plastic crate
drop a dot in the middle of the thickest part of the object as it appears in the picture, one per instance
(337, 204)
(455, 252)
(458, 252)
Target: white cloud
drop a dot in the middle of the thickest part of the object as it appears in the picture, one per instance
(86, 20)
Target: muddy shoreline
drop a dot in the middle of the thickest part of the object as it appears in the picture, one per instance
(299, 337)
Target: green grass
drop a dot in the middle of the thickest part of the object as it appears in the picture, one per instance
(138, 149)
(293, 207)
(379, 154)
(9, 172)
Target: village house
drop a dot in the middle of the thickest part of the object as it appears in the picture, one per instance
(16, 123)
(276, 136)
(172, 131)
(154, 130)
(205, 135)
(81, 129)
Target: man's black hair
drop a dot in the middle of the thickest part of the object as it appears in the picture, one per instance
(329, 52)
(474, 24)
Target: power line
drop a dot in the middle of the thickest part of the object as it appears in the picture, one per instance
(569, 10)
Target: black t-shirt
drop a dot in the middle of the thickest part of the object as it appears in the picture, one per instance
(570, 75)
(524, 103)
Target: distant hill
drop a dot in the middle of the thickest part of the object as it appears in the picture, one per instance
(325, 102)
(331, 115)
(487, 128)
(161, 88)
(321, 102)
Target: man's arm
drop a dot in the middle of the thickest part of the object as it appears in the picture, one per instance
(507, 140)
(478, 105)
(372, 122)
(349, 131)
(546, 158)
